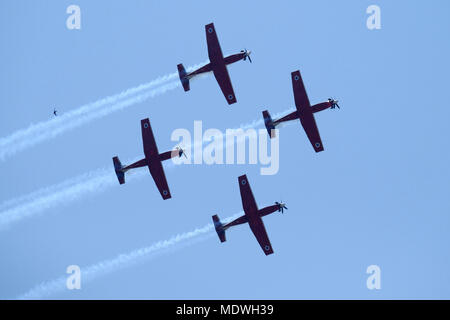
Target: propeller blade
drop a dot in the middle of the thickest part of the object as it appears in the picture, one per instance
(181, 151)
(249, 59)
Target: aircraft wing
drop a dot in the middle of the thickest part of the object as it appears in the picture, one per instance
(300, 96)
(158, 175)
(223, 79)
(248, 200)
(148, 139)
(214, 51)
(152, 156)
(218, 65)
(258, 229)
(251, 211)
(305, 112)
(309, 125)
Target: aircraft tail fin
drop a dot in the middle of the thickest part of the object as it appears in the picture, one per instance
(219, 228)
(119, 172)
(268, 122)
(183, 78)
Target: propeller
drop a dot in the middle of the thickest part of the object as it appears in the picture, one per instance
(247, 55)
(334, 103)
(181, 152)
(281, 206)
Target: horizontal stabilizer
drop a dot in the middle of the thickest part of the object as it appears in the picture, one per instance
(119, 172)
(219, 228)
(183, 78)
(268, 122)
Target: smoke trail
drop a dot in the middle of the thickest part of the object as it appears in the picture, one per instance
(51, 131)
(41, 192)
(89, 117)
(45, 130)
(44, 199)
(121, 261)
(73, 189)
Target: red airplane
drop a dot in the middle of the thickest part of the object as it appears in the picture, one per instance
(253, 216)
(304, 112)
(152, 159)
(218, 65)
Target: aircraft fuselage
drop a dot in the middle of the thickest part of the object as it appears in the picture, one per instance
(213, 65)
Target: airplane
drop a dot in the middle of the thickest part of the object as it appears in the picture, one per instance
(54, 112)
(153, 160)
(218, 65)
(305, 112)
(253, 216)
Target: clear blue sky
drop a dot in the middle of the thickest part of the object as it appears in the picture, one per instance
(378, 194)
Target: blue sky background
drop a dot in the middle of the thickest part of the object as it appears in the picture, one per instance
(378, 194)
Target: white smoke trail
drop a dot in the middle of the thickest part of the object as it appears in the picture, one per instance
(91, 116)
(37, 202)
(73, 189)
(41, 192)
(45, 130)
(121, 261)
